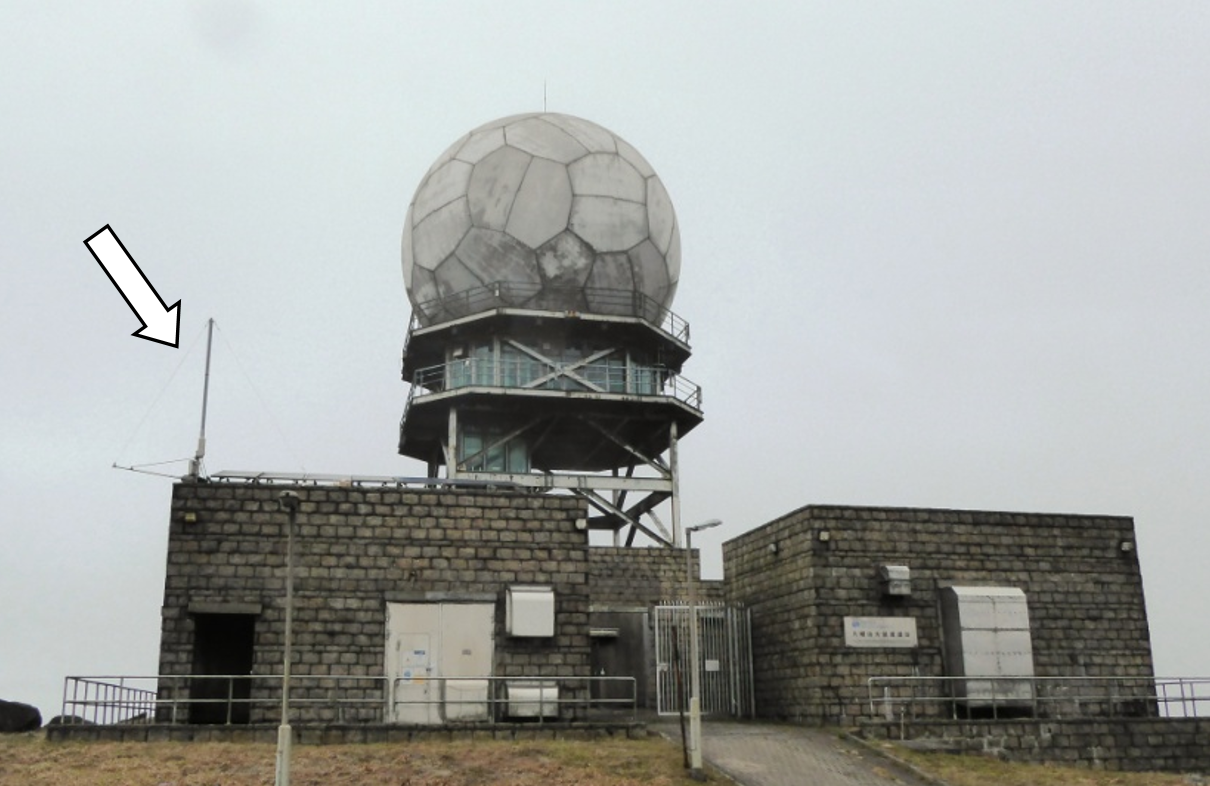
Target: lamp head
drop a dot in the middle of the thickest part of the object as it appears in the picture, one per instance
(288, 501)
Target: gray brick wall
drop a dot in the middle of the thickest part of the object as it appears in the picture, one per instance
(359, 548)
(1084, 592)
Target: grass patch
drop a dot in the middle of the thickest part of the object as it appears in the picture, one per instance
(973, 770)
(29, 760)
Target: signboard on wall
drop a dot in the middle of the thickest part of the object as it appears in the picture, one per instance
(880, 632)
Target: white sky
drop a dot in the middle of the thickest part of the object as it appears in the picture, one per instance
(949, 255)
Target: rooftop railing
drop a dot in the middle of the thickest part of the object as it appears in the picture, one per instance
(588, 300)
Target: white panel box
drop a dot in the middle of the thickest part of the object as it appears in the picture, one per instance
(531, 699)
(530, 612)
(987, 645)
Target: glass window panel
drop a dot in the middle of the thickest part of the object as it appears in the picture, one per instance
(472, 443)
(518, 456)
(495, 459)
(458, 373)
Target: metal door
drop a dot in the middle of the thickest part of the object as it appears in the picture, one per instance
(413, 700)
(427, 645)
(621, 647)
(466, 651)
(412, 640)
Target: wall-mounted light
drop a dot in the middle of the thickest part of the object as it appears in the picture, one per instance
(896, 580)
(774, 548)
(190, 517)
(1126, 546)
(824, 536)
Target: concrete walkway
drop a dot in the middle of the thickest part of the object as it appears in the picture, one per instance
(769, 754)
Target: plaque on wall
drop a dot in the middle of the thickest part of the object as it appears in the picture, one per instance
(880, 631)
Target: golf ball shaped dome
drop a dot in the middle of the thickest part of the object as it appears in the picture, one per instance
(545, 211)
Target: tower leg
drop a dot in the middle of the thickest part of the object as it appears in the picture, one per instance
(451, 446)
(674, 471)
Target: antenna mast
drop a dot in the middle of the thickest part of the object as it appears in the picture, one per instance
(195, 463)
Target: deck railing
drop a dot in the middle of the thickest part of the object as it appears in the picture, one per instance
(654, 380)
(538, 297)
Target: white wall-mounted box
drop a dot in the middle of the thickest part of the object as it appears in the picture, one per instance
(530, 611)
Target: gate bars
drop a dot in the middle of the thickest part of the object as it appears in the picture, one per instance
(725, 642)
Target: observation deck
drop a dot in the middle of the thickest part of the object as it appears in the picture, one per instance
(585, 390)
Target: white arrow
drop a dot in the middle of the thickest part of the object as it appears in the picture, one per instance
(160, 323)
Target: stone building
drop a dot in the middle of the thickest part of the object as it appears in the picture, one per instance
(359, 552)
(839, 595)
(541, 256)
(366, 551)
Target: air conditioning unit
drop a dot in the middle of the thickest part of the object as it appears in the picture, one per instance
(987, 645)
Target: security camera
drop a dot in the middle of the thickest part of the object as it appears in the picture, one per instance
(288, 501)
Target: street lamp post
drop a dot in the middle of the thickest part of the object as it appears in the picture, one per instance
(695, 702)
(289, 502)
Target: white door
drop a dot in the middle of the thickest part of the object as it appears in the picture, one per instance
(412, 638)
(466, 651)
(438, 640)
(414, 701)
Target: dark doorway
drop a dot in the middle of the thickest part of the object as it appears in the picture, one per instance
(619, 649)
(222, 646)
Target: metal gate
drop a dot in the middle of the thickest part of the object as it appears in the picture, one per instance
(724, 660)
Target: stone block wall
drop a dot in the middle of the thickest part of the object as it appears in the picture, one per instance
(640, 577)
(1084, 592)
(1131, 744)
(356, 549)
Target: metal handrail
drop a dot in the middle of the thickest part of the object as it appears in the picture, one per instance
(494, 703)
(893, 698)
(128, 699)
(119, 699)
(656, 381)
(507, 294)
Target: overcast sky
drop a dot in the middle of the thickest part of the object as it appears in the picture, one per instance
(951, 255)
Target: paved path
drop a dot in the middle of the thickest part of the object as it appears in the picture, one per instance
(768, 754)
